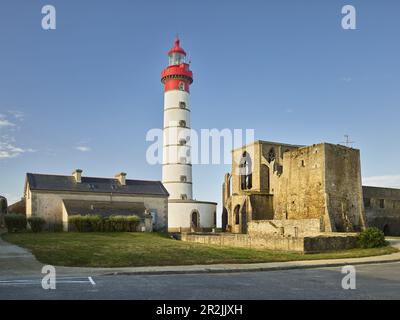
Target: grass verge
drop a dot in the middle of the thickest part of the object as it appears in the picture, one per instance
(153, 249)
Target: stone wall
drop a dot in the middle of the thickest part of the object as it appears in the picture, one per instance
(246, 241)
(382, 209)
(294, 228)
(343, 188)
(302, 185)
(311, 244)
(322, 182)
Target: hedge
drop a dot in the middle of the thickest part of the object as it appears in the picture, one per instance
(15, 222)
(36, 223)
(96, 223)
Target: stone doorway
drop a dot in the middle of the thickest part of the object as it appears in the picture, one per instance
(195, 220)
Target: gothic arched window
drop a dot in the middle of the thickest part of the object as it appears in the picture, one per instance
(271, 155)
(245, 168)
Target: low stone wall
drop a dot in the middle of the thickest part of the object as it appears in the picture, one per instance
(246, 241)
(307, 244)
(289, 227)
(330, 242)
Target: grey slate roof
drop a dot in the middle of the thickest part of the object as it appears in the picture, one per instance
(104, 209)
(98, 185)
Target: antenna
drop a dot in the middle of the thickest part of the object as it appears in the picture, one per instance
(347, 141)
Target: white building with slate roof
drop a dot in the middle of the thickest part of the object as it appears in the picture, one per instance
(55, 197)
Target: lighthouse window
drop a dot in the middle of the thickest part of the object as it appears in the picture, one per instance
(183, 197)
(176, 58)
(183, 179)
(182, 142)
(181, 86)
(182, 105)
(182, 123)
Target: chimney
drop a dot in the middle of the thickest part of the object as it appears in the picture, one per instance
(121, 177)
(77, 174)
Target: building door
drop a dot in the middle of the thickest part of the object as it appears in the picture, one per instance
(195, 223)
(386, 230)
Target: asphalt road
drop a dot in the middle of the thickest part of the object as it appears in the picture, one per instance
(378, 281)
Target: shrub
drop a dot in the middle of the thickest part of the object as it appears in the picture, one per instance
(372, 238)
(88, 223)
(116, 223)
(133, 222)
(124, 223)
(36, 223)
(15, 222)
(57, 227)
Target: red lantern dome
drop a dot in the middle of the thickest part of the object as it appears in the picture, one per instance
(177, 48)
(177, 76)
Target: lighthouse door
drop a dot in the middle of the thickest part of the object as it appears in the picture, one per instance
(195, 220)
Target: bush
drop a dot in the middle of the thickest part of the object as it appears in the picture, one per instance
(116, 223)
(372, 238)
(36, 223)
(15, 222)
(88, 223)
(124, 223)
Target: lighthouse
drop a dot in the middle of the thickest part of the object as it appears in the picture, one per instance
(177, 167)
(184, 213)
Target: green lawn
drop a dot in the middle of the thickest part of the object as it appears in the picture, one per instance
(151, 249)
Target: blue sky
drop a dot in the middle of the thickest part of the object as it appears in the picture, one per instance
(85, 95)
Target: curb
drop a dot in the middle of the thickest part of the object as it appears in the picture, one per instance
(247, 268)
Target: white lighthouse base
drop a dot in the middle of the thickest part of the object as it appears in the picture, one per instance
(191, 215)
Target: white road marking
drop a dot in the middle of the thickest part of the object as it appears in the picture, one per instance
(63, 280)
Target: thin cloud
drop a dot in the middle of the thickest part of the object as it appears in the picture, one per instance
(83, 149)
(392, 181)
(9, 150)
(347, 79)
(6, 123)
(8, 147)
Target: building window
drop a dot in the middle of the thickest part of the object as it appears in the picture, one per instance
(367, 202)
(182, 105)
(245, 169)
(182, 123)
(382, 203)
(183, 196)
(182, 142)
(302, 163)
(181, 85)
(183, 178)
(182, 160)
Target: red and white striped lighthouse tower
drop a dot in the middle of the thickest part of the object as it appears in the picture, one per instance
(177, 168)
(184, 213)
